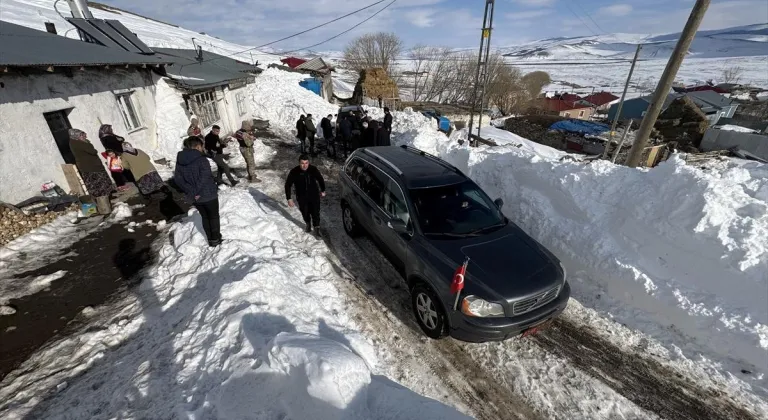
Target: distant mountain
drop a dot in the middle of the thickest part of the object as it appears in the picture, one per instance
(741, 41)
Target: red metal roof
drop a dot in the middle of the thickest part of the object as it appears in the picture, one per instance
(601, 98)
(554, 104)
(705, 88)
(293, 62)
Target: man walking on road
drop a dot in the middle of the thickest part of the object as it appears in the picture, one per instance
(245, 139)
(311, 131)
(193, 175)
(310, 186)
(345, 129)
(386, 129)
(327, 127)
(215, 150)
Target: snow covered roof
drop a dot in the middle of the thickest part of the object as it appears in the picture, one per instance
(601, 98)
(315, 64)
(193, 74)
(219, 60)
(25, 47)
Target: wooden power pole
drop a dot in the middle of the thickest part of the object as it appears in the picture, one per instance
(621, 101)
(665, 83)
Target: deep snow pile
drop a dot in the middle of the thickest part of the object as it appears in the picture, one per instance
(252, 329)
(276, 96)
(675, 252)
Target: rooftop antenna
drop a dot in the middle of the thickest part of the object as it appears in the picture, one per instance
(198, 51)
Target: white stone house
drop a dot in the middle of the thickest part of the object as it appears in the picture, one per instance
(210, 87)
(48, 84)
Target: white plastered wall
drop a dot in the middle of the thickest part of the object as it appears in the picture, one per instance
(28, 152)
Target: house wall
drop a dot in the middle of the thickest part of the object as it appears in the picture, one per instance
(574, 113)
(632, 109)
(29, 156)
(234, 118)
(715, 139)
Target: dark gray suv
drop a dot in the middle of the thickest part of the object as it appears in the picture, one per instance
(428, 217)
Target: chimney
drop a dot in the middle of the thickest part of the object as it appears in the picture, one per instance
(50, 27)
(80, 9)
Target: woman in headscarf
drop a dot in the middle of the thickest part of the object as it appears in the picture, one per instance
(194, 129)
(96, 179)
(109, 140)
(148, 180)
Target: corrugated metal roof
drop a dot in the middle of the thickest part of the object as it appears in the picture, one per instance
(210, 58)
(315, 64)
(189, 72)
(24, 47)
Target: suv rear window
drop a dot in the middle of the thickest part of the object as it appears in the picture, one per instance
(459, 209)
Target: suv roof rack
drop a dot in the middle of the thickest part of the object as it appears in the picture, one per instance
(384, 161)
(429, 156)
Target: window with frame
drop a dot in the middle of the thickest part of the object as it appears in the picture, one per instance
(394, 202)
(205, 108)
(128, 111)
(241, 106)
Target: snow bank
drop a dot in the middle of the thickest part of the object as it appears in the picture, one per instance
(676, 252)
(121, 211)
(19, 287)
(738, 128)
(276, 96)
(252, 329)
(171, 120)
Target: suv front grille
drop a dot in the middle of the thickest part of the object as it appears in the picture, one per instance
(536, 301)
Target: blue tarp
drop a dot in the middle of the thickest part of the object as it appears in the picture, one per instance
(580, 126)
(312, 84)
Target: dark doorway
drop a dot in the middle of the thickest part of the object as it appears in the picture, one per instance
(59, 125)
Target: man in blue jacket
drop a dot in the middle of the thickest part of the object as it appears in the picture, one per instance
(193, 175)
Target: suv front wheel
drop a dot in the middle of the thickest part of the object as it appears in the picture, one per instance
(428, 312)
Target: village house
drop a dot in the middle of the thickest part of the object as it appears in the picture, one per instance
(601, 101)
(321, 72)
(714, 105)
(578, 109)
(49, 84)
(210, 86)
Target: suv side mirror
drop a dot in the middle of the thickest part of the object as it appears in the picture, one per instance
(499, 203)
(397, 225)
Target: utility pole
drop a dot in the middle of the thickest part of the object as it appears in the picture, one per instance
(665, 83)
(481, 75)
(621, 101)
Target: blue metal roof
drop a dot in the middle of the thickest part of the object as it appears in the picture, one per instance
(25, 47)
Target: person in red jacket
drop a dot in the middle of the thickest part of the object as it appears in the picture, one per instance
(115, 166)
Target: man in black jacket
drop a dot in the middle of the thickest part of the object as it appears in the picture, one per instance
(215, 150)
(386, 129)
(193, 175)
(345, 129)
(311, 130)
(310, 186)
(370, 134)
(327, 127)
(301, 133)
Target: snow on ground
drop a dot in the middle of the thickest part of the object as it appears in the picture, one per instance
(675, 252)
(342, 88)
(25, 286)
(252, 329)
(740, 129)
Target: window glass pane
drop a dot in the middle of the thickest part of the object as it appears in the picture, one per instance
(455, 209)
(394, 202)
(121, 105)
(132, 114)
(372, 185)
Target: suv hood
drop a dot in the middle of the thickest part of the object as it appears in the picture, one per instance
(507, 264)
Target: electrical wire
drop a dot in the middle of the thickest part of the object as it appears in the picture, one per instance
(57, 10)
(337, 35)
(590, 17)
(298, 33)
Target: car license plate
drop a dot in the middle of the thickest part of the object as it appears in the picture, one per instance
(537, 328)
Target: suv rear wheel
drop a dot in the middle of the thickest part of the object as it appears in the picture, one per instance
(428, 312)
(349, 222)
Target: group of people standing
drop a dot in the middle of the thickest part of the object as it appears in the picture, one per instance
(349, 132)
(124, 162)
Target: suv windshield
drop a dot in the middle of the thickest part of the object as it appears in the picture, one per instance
(459, 209)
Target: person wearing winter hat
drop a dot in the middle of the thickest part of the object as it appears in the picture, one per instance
(193, 175)
(245, 139)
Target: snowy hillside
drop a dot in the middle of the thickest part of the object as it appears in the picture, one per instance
(34, 14)
(743, 41)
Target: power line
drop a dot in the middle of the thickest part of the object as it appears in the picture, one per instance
(339, 34)
(589, 16)
(299, 33)
(580, 19)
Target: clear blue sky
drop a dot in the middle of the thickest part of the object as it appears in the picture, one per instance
(452, 23)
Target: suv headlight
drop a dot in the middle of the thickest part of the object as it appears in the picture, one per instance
(474, 306)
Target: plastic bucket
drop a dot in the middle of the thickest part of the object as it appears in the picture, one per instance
(103, 205)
